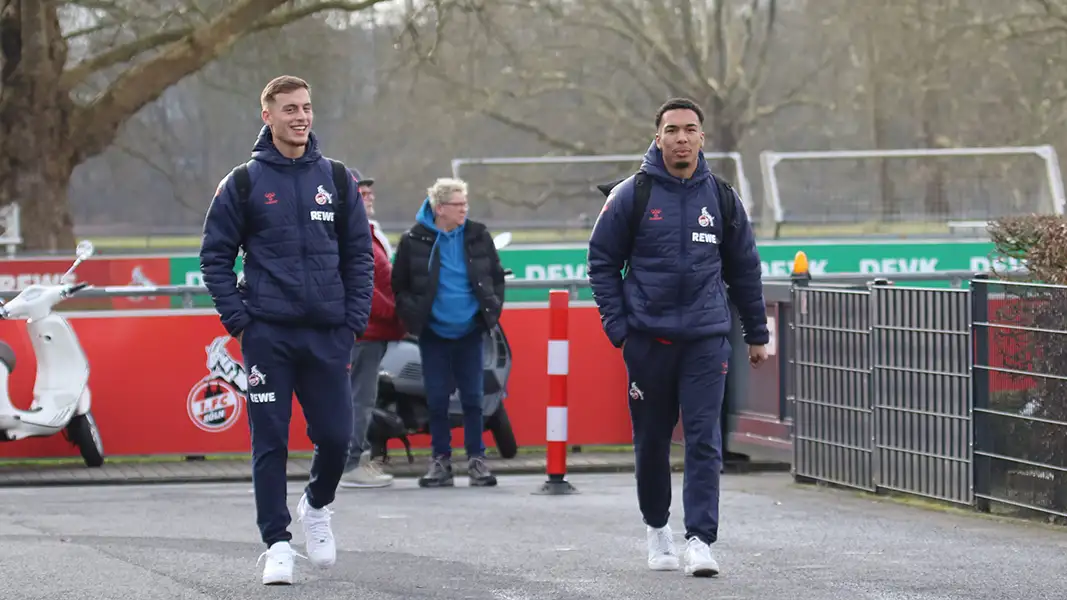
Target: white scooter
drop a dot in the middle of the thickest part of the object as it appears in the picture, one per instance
(61, 399)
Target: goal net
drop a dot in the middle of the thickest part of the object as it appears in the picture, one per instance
(558, 193)
(935, 190)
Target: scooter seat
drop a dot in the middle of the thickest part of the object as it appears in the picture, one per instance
(7, 356)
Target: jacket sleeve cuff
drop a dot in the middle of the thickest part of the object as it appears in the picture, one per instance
(758, 338)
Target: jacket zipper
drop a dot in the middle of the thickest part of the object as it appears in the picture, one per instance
(683, 254)
(299, 203)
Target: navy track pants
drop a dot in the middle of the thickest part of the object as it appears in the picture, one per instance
(664, 379)
(314, 363)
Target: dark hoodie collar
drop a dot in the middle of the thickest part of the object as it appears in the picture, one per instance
(653, 165)
(266, 151)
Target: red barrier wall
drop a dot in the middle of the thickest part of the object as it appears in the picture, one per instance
(146, 368)
(16, 274)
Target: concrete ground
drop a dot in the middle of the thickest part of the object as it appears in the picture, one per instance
(779, 541)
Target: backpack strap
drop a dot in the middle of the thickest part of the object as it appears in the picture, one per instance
(340, 183)
(642, 192)
(243, 181)
(727, 205)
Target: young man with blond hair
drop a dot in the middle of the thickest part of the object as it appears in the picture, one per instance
(309, 271)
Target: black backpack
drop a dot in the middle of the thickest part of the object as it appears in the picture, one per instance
(643, 190)
(243, 181)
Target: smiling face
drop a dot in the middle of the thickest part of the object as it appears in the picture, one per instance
(287, 111)
(680, 138)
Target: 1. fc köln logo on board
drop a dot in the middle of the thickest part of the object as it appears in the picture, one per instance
(215, 403)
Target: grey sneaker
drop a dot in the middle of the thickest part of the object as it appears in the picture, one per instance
(479, 473)
(439, 473)
(368, 474)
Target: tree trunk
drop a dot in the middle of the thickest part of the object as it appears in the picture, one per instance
(39, 180)
(35, 110)
(38, 165)
(44, 135)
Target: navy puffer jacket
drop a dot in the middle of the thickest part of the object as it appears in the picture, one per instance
(296, 270)
(681, 260)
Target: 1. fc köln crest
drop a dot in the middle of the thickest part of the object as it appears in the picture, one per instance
(215, 403)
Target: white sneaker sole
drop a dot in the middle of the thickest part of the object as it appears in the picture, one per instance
(663, 564)
(701, 570)
(362, 485)
(278, 579)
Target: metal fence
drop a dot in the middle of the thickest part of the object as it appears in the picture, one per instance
(958, 395)
(1020, 396)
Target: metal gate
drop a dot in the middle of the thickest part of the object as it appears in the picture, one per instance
(882, 388)
(921, 375)
(831, 361)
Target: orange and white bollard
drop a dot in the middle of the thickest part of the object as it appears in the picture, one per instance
(556, 416)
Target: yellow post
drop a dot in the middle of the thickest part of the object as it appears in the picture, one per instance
(800, 263)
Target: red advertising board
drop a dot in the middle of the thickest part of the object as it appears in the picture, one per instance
(168, 383)
(17, 274)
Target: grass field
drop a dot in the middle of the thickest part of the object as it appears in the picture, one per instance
(191, 243)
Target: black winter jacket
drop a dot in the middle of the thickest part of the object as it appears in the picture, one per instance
(415, 278)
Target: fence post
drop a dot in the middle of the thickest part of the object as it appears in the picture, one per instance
(877, 356)
(981, 477)
(556, 417)
(799, 277)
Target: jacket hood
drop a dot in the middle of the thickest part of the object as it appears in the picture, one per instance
(266, 151)
(653, 165)
(425, 216)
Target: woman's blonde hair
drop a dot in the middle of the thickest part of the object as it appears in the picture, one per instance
(442, 190)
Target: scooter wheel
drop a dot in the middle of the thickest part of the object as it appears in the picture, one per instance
(500, 426)
(83, 432)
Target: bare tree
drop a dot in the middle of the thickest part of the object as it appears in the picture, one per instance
(47, 128)
(612, 61)
(933, 77)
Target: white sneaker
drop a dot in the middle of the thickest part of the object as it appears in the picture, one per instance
(368, 474)
(318, 537)
(698, 559)
(661, 553)
(279, 567)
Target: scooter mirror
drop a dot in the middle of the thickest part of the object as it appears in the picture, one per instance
(84, 250)
(502, 239)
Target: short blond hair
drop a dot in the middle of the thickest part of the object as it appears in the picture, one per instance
(442, 190)
(282, 85)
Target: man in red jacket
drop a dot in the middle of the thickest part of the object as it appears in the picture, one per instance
(384, 326)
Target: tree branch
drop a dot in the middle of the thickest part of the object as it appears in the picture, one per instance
(274, 21)
(120, 54)
(94, 126)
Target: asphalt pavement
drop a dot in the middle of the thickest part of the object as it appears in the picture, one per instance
(779, 540)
